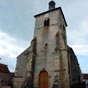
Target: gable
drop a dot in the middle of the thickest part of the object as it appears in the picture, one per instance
(4, 68)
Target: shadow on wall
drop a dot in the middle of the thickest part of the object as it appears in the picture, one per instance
(81, 85)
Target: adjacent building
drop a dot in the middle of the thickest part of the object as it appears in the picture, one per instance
(85, 79)
(6, 77)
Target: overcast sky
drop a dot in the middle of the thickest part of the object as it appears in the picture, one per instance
(17, 27)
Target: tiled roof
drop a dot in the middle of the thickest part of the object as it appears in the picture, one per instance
(4, 68)
(85, 76)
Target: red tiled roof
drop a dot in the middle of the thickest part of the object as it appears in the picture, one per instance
(4, 68)
(85, 76)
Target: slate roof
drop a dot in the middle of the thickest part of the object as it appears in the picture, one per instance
(4, 68)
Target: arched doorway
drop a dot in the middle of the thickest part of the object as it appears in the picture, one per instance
(43, 79)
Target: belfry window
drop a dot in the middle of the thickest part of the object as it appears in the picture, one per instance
(46, 22)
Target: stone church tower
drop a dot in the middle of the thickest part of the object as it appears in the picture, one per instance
(45, 64)
(51, 61)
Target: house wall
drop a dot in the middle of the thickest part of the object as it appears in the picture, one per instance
(5, 77)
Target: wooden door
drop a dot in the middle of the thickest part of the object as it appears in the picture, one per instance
(43, 79)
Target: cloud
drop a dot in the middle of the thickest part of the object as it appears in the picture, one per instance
(80, 49)
(78, 38)
(10, 48)
(84, 28)
(16, 22)
(16, 17)
(10, 62)
(8, 45)
(39, 6)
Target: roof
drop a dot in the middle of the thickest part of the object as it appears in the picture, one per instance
(53, 10)
(85, 76)
(4, 68)
(25, 52)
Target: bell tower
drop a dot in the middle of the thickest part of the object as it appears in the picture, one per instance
(51, 5)
(51, 57)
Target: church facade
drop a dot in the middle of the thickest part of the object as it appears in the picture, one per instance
(49, 62)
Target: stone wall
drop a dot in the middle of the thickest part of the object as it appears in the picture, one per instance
(20, 72)
(74, 69)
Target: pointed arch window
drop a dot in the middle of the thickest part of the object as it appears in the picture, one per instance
(57, 40)
(46, 22)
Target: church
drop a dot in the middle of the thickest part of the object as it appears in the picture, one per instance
(49, 62)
